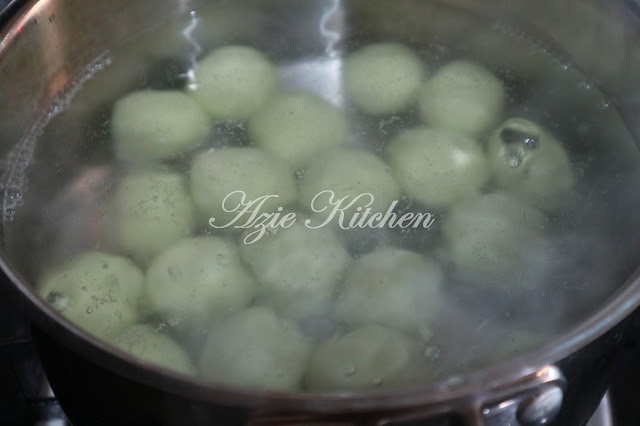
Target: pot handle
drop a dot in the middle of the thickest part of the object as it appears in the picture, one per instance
(533, 400)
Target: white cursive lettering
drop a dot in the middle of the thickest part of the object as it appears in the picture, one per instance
(334, 209)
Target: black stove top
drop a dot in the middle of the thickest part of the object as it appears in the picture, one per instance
(25, 399)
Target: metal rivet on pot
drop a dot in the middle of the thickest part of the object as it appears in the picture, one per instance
(542, 408)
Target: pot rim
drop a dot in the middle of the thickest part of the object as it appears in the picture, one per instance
(468, 387)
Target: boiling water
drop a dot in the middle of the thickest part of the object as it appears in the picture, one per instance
(580, 264)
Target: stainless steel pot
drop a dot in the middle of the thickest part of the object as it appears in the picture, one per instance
(45, 44)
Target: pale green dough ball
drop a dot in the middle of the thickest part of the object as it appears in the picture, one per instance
(348, 172)
(216, 174)
(437, 167)
(369, 358)
(157, 125)
(462, 96)
(529, 162)
(150, 211)
(492, 235)
(198, 278)
(153, 347)
(297, 267)
(256, 349)
(383, 78)
(233, 82)
(392, 287)
(296, 126)
(97, 292)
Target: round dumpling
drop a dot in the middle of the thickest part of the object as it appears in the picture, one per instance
(157, 125)
(256, 349)
(198, 278)
(153, 347)
(150, 211)
(462, 96)
(351, 173)
(98, 292)
(383, 78)
(528, 161)
(392, 287)
(296, 126)
(492, 235)
(297, 268)
(437, 167)
(233, 82)
(369, 358)
(217, 174)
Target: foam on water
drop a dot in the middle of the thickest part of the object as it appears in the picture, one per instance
(13, 182)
